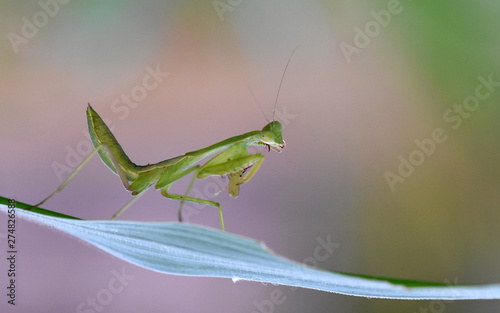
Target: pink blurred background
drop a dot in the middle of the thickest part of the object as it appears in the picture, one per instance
(347, 124)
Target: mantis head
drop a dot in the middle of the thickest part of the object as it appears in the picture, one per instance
(271, 136)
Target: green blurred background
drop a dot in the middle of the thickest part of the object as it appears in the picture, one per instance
(367, 81)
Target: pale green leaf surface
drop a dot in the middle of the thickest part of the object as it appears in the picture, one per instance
(185, 249)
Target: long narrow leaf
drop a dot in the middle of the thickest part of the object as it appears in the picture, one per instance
(185, 249)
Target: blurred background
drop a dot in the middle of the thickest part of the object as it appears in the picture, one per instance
(390, 113)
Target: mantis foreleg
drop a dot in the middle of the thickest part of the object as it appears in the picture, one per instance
(235, 168)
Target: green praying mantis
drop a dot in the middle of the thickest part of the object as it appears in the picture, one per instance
(231, 159)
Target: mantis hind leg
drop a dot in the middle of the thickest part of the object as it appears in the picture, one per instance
(78, 168)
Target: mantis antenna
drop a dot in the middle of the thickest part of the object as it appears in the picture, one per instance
(281, 82)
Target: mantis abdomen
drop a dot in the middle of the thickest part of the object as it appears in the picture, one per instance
(102, 136)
